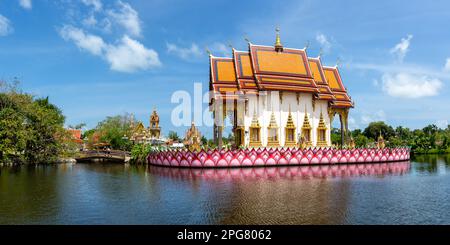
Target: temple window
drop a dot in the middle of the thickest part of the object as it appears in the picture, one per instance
(322, 132)
(273, 134)
(306, 131)
(272, 131)
(290, 131)
(255, 132)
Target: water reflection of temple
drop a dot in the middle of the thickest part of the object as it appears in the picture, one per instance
(302, 172)
(281, 195)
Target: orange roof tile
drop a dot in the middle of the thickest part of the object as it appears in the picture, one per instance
(286, 70)
(319, 77)
(337, 87)
(223, 75)
(263, 68)
(244, 71)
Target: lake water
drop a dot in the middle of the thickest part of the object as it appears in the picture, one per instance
(416, 192)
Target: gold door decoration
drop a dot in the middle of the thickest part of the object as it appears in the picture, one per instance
(290, 131)
(255, 132)
(322, 132)
(306, 131)
(272, 132)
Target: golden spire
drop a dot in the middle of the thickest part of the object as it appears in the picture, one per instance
(255, 122)
(290, 121)
(321, 122)
(273, 121)
(278, 45)
(306, 124)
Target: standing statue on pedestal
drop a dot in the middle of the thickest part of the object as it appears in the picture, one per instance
(352, 143)
(380, 142)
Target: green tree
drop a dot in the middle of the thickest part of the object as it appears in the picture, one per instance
(335, 136)
(375, 128)
(115, 130)
(31, 129)
(173, 136)
(204, 140)
(13, 136)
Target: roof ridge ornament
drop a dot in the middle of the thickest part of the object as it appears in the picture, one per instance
(230, 45)
(208, 51)
(338, 62)
(246, 39)
(307, 44)
(320, 53)
(278, 45)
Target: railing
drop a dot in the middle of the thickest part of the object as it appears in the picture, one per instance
(275, 157)
(104, 154)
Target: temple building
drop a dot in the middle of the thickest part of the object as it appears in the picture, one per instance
(276, 96)
(150, 135)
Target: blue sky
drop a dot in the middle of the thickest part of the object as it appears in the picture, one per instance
(96, 58)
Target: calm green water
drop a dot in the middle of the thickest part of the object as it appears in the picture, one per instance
(399, 193)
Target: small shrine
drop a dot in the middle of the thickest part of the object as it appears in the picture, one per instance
(154, 129)
(192, 139)
(150, 135)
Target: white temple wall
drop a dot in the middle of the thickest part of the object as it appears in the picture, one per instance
(270, 102)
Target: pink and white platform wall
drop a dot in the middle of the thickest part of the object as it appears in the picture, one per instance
(275, 157)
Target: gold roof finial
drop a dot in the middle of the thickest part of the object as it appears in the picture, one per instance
(278, 45)
(246, 39)
(338, 61)
(320, 52)
(307, 44)
(208, 51)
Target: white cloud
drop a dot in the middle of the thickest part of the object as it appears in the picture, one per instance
(96, 4)
(26, 4)
(447, 65)
(352, 124)
(401, 48)
(221, 49)
(127, 56)
(408, 85)
(90, 21)
(127, 17)
(184, 53)
(375, 82)
(323, 41)
(91, 43)
(5, 26)
(124, 55)
(367, 118)
(443, 124)
(192, 52)
(130, 55)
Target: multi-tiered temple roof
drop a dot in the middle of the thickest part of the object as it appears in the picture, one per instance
(276, 68)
